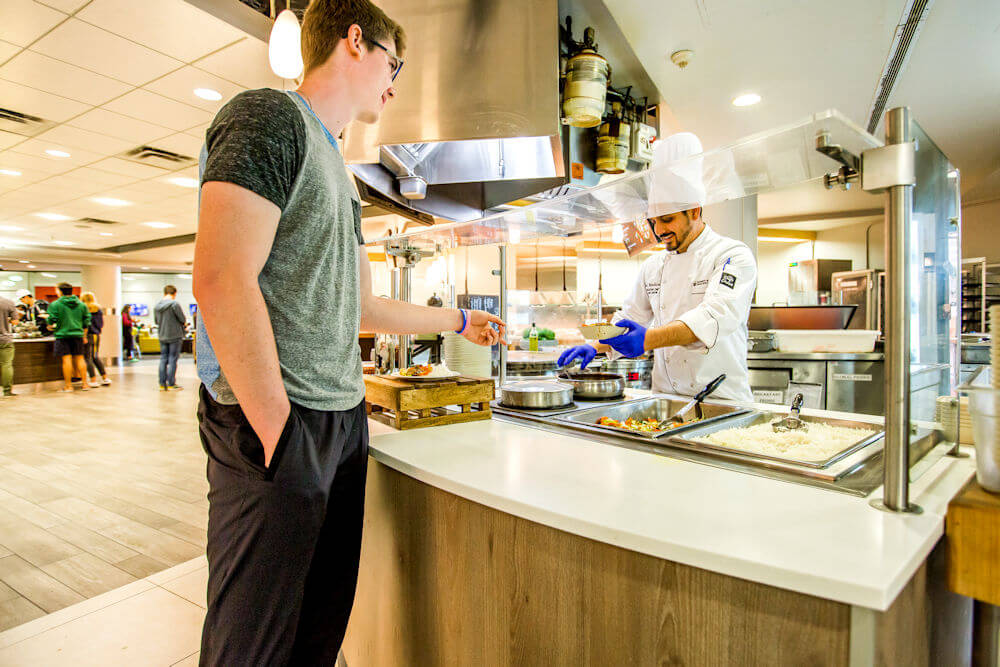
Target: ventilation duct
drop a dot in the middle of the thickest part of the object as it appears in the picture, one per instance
(914, 15)
(23, 124)
(158, 157)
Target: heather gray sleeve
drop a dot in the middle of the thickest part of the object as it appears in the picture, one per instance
(257, 141)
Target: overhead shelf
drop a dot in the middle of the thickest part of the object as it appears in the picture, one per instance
(760, 163)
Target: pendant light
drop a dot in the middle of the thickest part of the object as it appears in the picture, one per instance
(565, 299)
(284, 49)
(537, 299)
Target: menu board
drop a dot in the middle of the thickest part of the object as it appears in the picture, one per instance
(488, 302)
(637, 236)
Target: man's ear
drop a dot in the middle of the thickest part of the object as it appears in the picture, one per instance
(694, 213)
(355, 42)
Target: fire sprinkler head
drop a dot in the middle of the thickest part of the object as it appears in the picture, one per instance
(682, 58)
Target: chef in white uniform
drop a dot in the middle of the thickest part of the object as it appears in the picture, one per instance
(690, 302)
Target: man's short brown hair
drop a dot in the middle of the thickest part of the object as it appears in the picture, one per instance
(170, 289)
(326, 22)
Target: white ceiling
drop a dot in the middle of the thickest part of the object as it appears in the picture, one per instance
(113, 78)
(805, 57)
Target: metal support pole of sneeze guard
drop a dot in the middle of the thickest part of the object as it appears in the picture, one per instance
(898, 211)
(502, 273)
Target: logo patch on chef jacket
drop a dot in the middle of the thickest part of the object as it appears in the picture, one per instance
(729, 280)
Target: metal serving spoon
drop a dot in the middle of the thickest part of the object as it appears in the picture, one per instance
(792, 422)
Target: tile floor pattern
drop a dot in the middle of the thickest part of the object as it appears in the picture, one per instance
(98, 491)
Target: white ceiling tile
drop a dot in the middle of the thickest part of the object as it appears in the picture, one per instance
(180, 85)
(13, 160)
(101, 51)
(55, 76)
(126, 168)
(101, 178)
(7, 50)
(27, 177)
(38, 103)
(24, 21)
(116, 125)
(158, 189)
(198, 131)
(68, 6)
(76, 137)
(181, 143)
(244, 63)
(174, 27)
(63, 188)
(8, 139)
(77, 156)
(145, 105)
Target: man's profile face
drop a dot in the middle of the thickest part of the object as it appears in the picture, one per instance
(673, 229)
(377, 75)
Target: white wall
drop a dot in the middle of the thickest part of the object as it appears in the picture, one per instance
(773, 259)
(981, 230)
(849, 243)
(11, 281)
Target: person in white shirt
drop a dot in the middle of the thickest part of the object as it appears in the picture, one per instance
(690, 302)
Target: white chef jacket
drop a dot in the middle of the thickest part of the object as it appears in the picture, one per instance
(709, 287)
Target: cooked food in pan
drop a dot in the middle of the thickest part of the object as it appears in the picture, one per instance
(416, 371)
(648, 425)
(819, 443)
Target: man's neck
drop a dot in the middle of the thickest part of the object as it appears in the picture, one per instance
(329, 100)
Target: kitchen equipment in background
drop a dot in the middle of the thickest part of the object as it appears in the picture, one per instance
(808, 341)
(466, 357)
(680, 416)
(765, 318)
(641, 140)
(613, 143)
(792, 422)
(810, 279)
(864, 289)
(536, 394)
(760, 341)
(638, 373)
(984, 410)
(531, 364)
(587, 75)
(593, 386)
(776, 381)
(856, 385)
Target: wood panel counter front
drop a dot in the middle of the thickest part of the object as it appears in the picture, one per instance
(35, 361)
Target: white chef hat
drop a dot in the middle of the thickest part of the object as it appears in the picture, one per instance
(21, 293)
(675, 182)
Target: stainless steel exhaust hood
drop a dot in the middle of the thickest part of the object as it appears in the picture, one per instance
(476, 118)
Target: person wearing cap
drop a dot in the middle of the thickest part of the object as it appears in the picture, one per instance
(690, 302)
(33, 310)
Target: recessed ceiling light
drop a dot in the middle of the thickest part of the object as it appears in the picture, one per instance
(54, 152)
(110, 201)
(208, 94)
(50, 275)
(145, 268)
(185, 182)
(158, 225)
(23, 261)
(10, 228)
(32, 266)
(10, 172)
(52, 216)
(16, 279)
(746, 100)
(64, 243)
(184, 275)
(106, 234)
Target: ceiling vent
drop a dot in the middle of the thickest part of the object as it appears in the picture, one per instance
(914, 16)
(158, 157)
(23, 123)
(85, 223)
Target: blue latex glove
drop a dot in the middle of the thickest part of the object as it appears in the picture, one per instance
(630, 344)
(585, 353)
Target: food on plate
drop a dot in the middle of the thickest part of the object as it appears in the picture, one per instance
(417, 371)
(819, 443)
(648, 425)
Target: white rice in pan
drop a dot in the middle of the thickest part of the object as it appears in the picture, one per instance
(819, 443)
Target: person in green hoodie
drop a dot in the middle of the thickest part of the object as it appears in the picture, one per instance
(68, 320)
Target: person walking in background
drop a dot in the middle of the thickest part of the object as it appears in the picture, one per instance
(68, 320)
(169, 317)
(128, 341)
(92, 341)
(8, 315)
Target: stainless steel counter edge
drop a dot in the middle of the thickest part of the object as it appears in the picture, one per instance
(817, 356)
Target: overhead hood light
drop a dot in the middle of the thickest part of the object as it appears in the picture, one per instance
(284, 48)
(746, 100)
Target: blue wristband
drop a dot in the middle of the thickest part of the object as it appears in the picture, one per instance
(465, 321)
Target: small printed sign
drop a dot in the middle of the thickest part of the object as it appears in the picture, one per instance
(768, 396)
(852, 377)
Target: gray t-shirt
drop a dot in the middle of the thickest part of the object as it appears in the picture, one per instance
(7, 312)
(268, 141)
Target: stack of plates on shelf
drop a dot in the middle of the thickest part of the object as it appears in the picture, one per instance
(994, 316)
(466, 357)
(955, 423)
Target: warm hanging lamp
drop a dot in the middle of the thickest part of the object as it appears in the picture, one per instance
(284, 47)
(564, 298)
(537, 299)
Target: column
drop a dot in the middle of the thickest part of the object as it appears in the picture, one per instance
(105, 281)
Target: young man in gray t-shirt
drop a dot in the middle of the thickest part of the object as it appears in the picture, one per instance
(282, 413)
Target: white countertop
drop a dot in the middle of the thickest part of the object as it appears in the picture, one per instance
(831, 545)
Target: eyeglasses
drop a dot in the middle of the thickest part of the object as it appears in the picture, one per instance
(394, 61)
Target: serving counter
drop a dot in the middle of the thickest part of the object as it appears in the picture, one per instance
(499, 543)
(35, 360)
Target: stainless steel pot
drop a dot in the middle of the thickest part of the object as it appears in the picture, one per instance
(536, 394)
(595, 385)
(638, 373)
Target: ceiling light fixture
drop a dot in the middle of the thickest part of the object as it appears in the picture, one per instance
(10, 228)
(186, 276)
(208, 94)
(10, 172)
(185, 182)
(16, 279)
(23, 261)
(106, 234)
(746, 100)
(110, 201)
(64, 243)
(52, 216)
(158, 225)
(284, 46)
(50, 275)
(54, 152)
(32, 266)
(145, 268)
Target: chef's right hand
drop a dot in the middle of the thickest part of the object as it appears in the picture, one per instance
(585, 353)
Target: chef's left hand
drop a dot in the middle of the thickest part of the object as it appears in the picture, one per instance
(480, 329)
(630, 344)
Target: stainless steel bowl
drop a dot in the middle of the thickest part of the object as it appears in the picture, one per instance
(595, 385)
(536, 394)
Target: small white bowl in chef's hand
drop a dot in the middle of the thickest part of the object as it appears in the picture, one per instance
(601, 331)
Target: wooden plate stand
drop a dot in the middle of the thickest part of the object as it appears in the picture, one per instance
(405, 405)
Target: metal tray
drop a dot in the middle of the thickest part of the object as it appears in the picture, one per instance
(656, 407)
(701, 430)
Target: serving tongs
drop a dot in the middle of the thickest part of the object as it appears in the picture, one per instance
(680, 416)
(792, 421)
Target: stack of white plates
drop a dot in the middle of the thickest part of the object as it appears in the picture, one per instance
(995, 344)
(955, 423)
(466, 357)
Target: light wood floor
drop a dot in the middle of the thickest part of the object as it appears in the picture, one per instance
(98, 489)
